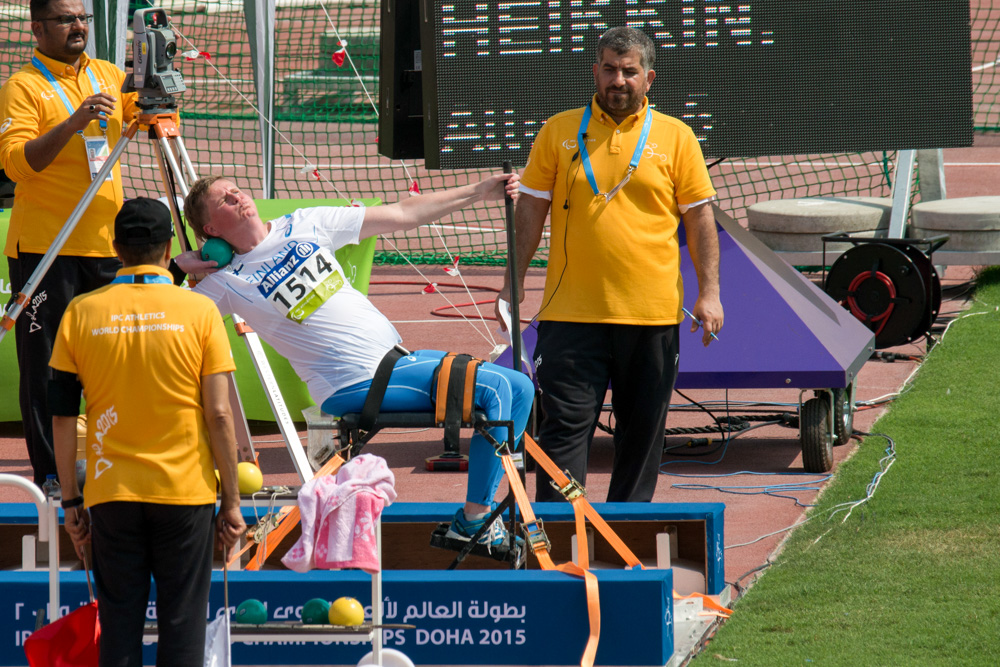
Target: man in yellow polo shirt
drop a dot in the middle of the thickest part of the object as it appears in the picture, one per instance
(152, 359)
(616, 179)
(59, 116)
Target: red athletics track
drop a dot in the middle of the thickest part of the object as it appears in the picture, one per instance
(773, 449)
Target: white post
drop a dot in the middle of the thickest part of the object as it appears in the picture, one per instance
(260, 26)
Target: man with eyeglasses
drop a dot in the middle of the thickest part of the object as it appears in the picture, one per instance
(60, 115)
(616, 179)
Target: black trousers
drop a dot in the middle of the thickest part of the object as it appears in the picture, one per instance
(574, 363)
(34, 333)
(173, 543)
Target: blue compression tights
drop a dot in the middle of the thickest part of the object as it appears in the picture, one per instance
(501, 393)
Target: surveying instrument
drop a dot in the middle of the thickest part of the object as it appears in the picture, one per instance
(154, 78)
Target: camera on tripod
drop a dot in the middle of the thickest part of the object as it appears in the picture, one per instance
(153, 49)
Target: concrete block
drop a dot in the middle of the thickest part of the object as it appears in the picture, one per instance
(822, 215)
(972, 223)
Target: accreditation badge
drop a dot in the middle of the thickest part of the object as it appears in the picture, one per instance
(302, 281)
(97, 155)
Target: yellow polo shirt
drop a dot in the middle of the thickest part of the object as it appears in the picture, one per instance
(140, 351)
(615, 262)
(44, 200)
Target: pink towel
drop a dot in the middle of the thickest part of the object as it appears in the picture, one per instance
(339, 513)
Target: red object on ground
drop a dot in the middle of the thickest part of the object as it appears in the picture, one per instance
(70, 641)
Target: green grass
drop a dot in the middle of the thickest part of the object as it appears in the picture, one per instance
(912, 577)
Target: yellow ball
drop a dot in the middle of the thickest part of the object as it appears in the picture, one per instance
(250, 477)
(346, 611)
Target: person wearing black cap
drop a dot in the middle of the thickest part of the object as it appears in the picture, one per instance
(153, 359)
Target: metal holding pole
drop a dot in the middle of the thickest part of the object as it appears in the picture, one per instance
(515, 299)
(18, 301)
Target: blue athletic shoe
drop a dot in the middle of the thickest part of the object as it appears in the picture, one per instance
(463, 529)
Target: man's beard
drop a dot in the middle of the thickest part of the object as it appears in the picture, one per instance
(75, 47)
(617, 104)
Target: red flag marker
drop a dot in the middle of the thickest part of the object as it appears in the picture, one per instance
(453, 269)
(340, 54)
(430, 289)
(414, 188)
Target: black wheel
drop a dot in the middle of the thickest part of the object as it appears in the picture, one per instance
(843, 416)
(814, 432)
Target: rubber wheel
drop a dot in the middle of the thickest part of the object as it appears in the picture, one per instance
(814, 432)
(843, 416)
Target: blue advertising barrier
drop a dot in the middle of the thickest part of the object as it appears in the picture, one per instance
(461, 617)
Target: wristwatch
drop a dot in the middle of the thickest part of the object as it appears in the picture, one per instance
(72, 502)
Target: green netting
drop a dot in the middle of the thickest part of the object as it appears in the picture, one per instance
(326, 126)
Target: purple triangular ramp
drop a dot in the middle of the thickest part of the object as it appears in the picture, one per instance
(780, 329)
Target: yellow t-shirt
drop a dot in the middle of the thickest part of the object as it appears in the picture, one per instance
(140, 351)
(44, 200)
(616, 262)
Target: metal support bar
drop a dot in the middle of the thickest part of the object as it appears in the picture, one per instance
(901, 187)
(17, 302)
(930, 161)
(515, 298)
(170, 144)
(277, 402)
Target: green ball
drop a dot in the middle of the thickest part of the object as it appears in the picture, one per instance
(218, 250)
(251, 611)
(316, 612)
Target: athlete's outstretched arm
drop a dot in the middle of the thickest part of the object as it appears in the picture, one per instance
(426, 208)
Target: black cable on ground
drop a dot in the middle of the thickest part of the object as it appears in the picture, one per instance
(740, 590)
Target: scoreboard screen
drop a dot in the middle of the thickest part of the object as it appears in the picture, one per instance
(759, 77)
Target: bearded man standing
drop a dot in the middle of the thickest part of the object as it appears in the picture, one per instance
(616, 179)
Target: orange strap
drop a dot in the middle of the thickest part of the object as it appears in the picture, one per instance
(288, 518)
(441, 396)
(609, 534)
(580, 503)
(444, 385)
(708, 602)
(582, 510)
(469, 390)
(540, 547)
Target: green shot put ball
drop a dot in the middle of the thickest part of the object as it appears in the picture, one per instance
(316, 612)
(251, 611)
(218, 250)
